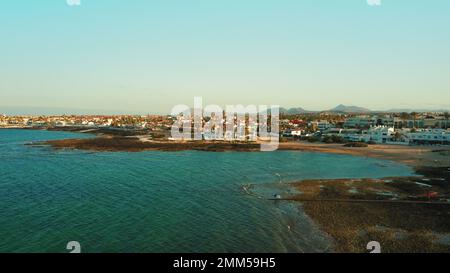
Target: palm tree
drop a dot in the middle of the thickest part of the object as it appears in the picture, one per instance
(414, 116)
(404, 115)
(397, 136)
(446, 116)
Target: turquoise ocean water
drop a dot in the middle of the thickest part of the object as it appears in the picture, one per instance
(158, 201)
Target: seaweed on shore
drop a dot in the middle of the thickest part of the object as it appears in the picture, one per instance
(133, 144)
(399, 227)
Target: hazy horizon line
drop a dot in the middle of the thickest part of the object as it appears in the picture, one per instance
(46, 111)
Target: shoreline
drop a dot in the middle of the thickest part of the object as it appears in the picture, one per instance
(108, 139)
(351, 211)
(414, 156)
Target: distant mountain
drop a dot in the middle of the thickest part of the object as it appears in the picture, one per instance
(408, 110)
(350, 109)
(294, 111)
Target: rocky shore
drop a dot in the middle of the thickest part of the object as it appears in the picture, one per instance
(405, 214)
(134, 144)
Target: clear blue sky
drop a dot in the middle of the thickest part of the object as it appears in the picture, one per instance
(145, 56)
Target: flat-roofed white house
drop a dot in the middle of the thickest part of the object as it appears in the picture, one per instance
(379, 134)
(297, 132)
(360, 122)
(429, 136)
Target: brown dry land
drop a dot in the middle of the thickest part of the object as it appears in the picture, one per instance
(411, 155)
(133, 144)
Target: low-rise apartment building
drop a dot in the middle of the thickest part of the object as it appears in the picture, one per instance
(429, 136)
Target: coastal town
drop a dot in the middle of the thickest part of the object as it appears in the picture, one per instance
(424, 128)
(226, 136)
(404, 213)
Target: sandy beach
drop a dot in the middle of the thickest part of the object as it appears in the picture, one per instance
(431, 156)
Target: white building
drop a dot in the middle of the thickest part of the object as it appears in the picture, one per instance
(297, 132)
(381, 134)
(321, 125)
(360, 122)
(376, 134)
(60, 123)
(429, 136)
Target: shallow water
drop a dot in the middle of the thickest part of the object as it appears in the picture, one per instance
(159, 201)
